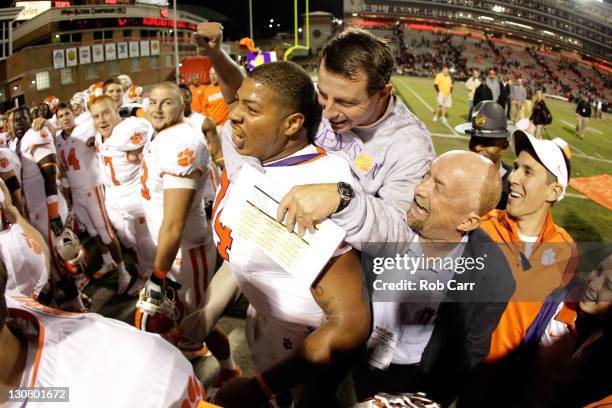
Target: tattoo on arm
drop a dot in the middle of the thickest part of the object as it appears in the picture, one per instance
(325, 302)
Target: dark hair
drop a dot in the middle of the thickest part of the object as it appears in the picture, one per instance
(25, 109)
(356, 51)
(185, 87)
(3, 279)
(110, 82)
(64, 105)
(293, 90)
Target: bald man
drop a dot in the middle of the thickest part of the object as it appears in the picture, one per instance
(438, 287)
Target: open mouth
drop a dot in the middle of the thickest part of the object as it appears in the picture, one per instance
(515, 195)
(338, 123)
(237, 137)
(420, 206)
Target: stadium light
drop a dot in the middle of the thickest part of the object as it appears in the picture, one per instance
(485, 18)
(300, 30)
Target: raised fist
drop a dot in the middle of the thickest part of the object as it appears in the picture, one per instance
(208, 38)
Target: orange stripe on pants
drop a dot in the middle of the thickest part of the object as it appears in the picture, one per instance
(107, 226)
(196, 275)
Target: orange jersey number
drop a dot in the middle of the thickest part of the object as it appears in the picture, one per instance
(108, 161)
(224, 232)
(32, 244)
(72, 160)
(144, 191)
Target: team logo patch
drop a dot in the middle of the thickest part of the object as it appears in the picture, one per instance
(185, 158)
(43, 133)
(287, 343)
(480, 120)
(548, 257)
(364, 162)
(4, 162)
(136, 138)
(195, 394)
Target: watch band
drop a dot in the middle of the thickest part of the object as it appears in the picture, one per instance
(346, 195)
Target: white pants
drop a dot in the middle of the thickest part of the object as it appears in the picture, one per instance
(133, 232)
(193, 269)
(272, 340)
(88, 204)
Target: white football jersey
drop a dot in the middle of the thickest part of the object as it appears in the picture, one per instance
(9, 160)
(103, 362)
(196, 120)
(119, 175)
(269, 288)
(4, 139)
(25, 261)
(32, 180)
(79, 159)
(178, 150)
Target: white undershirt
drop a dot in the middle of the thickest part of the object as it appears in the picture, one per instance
(529, 241)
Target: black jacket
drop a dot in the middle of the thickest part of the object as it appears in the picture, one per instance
(482, 93)
(584, 108)
(503, 201)
(462, 335)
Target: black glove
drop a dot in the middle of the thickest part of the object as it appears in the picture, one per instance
(57, 226)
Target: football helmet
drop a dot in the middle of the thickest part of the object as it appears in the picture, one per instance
(71, 253)
(52, 102)
(134, 94)
(159, 310)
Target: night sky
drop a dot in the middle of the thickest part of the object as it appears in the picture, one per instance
(263, 10)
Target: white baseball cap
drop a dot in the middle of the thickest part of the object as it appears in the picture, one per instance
(551, 153)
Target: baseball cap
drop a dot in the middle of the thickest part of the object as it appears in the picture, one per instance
(488, 120)
(551, 153)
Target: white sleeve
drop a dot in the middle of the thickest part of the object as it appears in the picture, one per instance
(186, 182)
(39, 152)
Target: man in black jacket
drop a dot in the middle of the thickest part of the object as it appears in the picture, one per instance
(439, 287)
(583, 113)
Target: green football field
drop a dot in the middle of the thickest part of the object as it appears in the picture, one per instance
(584, 219)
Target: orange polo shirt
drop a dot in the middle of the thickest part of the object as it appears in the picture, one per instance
(552, 264)
(196, 97)
(213, 104)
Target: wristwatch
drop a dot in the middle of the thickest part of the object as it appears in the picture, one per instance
(346, 195)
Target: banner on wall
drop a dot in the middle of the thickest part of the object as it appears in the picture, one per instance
(155, 47)
(134, 49)
(58, 59)
(71, 57)
(84, 55)
(111, 51)
(144, 49)
(122, 50)
(97, 52)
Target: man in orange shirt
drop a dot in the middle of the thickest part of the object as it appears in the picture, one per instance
(197, 91)
(213, 104)
(543, 258)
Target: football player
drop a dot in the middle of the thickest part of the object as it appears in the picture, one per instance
(23, 251)
(298, 332)
(112, 87)
(119, 147)
(208, 129)
(35, 147)
(46, 347)
(173, 177)
(75, 146)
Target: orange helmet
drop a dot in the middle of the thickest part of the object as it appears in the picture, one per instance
(134, 94)
(52, 102)
(94, 90)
